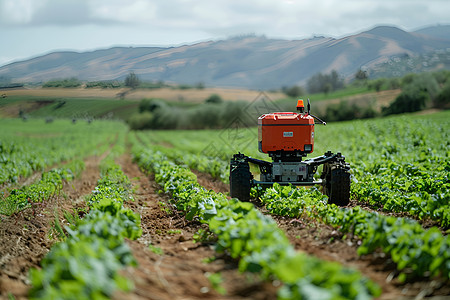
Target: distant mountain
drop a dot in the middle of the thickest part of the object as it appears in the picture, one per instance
(398, 66)
(439, 31)
(249, 62)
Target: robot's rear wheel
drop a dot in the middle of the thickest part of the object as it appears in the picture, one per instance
(240, 179)
(336, 182)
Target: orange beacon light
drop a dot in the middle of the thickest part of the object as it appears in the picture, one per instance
(300, 106)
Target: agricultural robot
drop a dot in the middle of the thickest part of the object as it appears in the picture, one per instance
(288, 137)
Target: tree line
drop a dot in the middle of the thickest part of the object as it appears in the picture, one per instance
(214, 113)
(131, 81)
(418, 92)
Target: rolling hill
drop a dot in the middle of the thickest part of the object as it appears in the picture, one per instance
(253, 62)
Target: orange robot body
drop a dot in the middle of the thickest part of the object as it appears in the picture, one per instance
(286, 131)
(288, 137)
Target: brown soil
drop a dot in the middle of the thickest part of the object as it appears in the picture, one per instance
(181, 271)
(325, 242)
(25, 238)
(210, 183)
(13, 110)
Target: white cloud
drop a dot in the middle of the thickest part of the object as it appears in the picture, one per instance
(62, 13)
(88, 24)
(270, 17)
(17, 11)
(135, 11)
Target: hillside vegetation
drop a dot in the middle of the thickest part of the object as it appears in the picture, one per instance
(360, 100)
(196, 107)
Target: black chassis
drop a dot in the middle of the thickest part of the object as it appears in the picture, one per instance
(335, 178)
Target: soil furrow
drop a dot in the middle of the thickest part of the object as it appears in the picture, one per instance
(25, 237)
(181, 271)
(327, 243)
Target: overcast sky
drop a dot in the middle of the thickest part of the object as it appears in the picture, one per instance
(30, 28)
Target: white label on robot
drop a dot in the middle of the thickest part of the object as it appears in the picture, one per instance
(288, 134)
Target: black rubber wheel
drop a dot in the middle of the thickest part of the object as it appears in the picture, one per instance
(336, 183)
(240, 179)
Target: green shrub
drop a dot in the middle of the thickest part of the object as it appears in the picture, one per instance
(109, 84)
(151, 105)
(325, 83)
(214, 99)
(442, 100)
(166, 117)
(343, 111)
(376, 84)
(204, 116)
(294, 91)
(64, 83)
(442, 77)
(415, 96)
(157, 114)
(141, 121)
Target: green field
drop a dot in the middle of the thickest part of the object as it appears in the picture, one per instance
(54, 103)
(56, 107)
(400, 195)
(399, 165)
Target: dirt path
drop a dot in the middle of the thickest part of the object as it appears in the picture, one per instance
(25, 237)
(177, 267)
(181, 271)
(326, 243)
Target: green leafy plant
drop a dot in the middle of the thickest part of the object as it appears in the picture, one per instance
(86, 264)
(156, 250)
(215, 279)
(249, 236)
(416, 251)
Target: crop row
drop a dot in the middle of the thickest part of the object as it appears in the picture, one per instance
(409, 187)
(26, 147)
(398, 164)
(49, 186)
(412, 188)
(85, 264)
(253, 238)
(215, 166)
(416, 251)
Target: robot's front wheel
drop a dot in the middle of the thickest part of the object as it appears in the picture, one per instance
(336, 183)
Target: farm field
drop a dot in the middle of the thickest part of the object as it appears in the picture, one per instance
(94, 103)
(189, 95)
(105, 103)
(94, 210)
